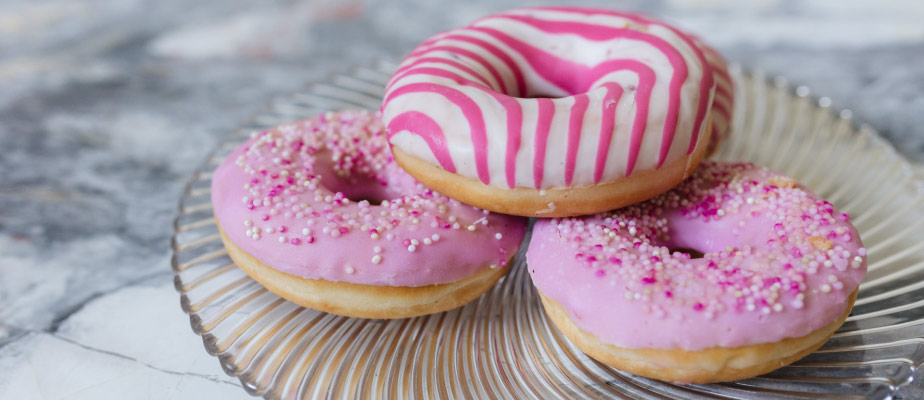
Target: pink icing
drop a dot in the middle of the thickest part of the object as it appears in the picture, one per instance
(546, 110)
(613, 93)
(422, 125)
(291, 197)
(575, 123)
(477, 46)
(778, 262)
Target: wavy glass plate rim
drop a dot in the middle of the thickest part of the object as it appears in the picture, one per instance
(277, 349)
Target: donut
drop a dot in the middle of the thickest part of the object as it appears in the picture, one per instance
(320, 214)
(736, 272)
(551, 112)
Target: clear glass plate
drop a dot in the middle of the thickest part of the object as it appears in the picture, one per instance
(503, 346)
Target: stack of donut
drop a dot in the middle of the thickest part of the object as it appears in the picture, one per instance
(596, 122)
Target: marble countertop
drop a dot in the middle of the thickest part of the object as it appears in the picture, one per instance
(107, 106)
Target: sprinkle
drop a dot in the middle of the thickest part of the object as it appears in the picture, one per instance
(282, 239)
(377, 249)
(376, 259)
(498, 236)
(412, 248)
(821, 243)
(349, 270)
(248, 222)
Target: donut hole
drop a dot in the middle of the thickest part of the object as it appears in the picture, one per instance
(356, 186)
(693, 253)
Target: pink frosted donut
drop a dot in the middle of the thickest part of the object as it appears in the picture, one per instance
(778, 275)
(554, 111)
(319, 213)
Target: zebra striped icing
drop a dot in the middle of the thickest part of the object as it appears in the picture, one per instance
(555, 97)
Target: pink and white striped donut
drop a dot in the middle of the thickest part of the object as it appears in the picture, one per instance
(554, 111)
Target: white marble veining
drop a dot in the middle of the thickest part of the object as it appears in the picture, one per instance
(106, 107)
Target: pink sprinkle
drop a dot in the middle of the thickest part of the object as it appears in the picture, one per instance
(787, 267)
(591, 259)
(668, 294)
(310, 239)
(344, 229)
(282, 229)
(265, 217)
(844, 217)
(600, 273)
(295, 241)
(655, 259)
(861, 251)
(649, 280)
(698, 306)
(406, 242)
(614, 260)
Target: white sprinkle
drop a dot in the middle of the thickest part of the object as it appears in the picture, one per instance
(374, 236)
(306, 231)
(456, 226)
(377, 249)
(471, 228)
(777, 307)
(349, 269)
(543, 192)
(632, 230)
(412, 248)
(282, 239)
(826, 288)
(256, 236)
(721, 212)
(248, 222)
(493, 266)
(498, 236)
(427, 241)
(268, 230)
(376, 259)
(435, 237)
(415, 242)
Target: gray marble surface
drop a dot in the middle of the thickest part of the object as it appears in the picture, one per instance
(106, 107)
